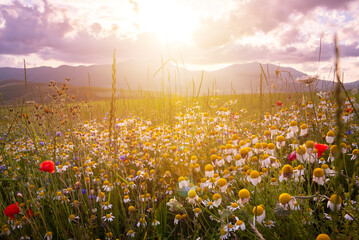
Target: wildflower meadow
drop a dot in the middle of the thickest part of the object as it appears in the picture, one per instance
(248, 166)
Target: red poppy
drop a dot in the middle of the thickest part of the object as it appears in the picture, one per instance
(292, 156)
(321, 148)
(11, 210)
(47, 166)
(279, 104)
(349, 110)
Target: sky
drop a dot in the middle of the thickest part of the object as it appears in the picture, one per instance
(204, 34)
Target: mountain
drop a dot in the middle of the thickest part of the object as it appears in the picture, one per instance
(145, 75)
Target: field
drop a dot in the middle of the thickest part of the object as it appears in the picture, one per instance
(273, 166)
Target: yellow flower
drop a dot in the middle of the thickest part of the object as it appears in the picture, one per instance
(222, 184)
(318, 172)
(323, 237)
(217, 199)
(244, 193)
(284, 198)
(280, 139)
(191, 194)
(131, 209)
(335, 202)
(309, 144)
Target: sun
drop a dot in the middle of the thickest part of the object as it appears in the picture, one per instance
(170, 21)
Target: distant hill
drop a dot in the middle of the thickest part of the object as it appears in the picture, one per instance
(142, 75)
(13, 91)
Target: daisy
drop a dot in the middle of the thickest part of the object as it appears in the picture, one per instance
(234, 206)
(142, 222)
(293, 126)
(330, 137)
(222, 184)
(197, 211)
(254, 178)
(239, 161)
(280, 141)
(155, 222)
(343, 148)
(220, 162)
(269, 224)
(209, 171)
(286, 201)
(244, 196)
(126, 199)
(335, 202)
(298, 173)
(73, 218)
(240, 225)
(224, 233)
(259, 214)
(208, 204)
(178, 217)
(303, 130)
(48, 236)
(286, 173)
(108, 217)
(301, 153)
(274, 182)
(318, 176)
(355, 154)
(310, 146)
(106, 205)
(192, 196)
(327, 170)
(107, 186)
(217, 199)
(131, 233)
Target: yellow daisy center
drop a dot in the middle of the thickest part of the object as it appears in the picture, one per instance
(208, 168)
(254, 174)
(284, 198)
(318, 172)
(222, 182)
(191, 193)
(258, 211)
(335, 199)
(243, 193)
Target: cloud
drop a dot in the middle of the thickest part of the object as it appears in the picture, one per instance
(52, 35)
(27, 29)
(86, 48)
(250, 17)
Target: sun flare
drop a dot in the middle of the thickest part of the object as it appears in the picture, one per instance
(170, 22)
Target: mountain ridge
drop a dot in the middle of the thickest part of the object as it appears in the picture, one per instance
(146, 75)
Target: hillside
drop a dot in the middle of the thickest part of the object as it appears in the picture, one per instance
(13, 91)
(137, 75)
